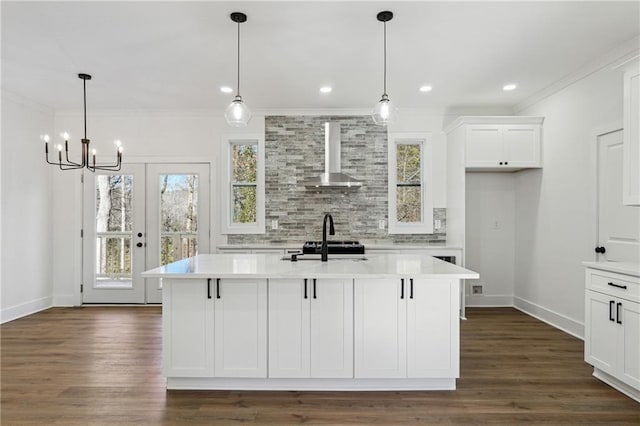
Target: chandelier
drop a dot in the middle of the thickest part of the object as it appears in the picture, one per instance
(66, 164)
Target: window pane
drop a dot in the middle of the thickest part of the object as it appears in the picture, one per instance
(409, 204)
(244, 204)
(408, 163)
(113, 260)
(178, 217)
(244, 162)
(177, 247)
(113, 203)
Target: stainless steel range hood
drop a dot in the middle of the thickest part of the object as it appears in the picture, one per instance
(332, 176)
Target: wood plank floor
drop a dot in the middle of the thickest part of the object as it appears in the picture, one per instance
(101, 365)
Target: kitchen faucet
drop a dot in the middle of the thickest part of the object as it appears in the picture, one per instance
(325, 247)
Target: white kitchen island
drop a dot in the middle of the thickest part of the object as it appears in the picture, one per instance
(255, 321)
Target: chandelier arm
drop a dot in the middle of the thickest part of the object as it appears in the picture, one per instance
(113, 168)
(69, 162)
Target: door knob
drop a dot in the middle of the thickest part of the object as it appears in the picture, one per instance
(600, 250)
(139, 245)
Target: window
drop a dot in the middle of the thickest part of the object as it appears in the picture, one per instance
(244, 177)
(410, 184)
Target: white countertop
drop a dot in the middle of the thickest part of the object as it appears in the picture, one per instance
(627, 268)
(272, 266)
(368, 246)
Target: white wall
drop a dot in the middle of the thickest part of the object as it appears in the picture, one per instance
(490, 236)
(26, 284)
(555, 214)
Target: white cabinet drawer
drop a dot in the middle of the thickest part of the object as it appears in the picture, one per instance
(618, 285)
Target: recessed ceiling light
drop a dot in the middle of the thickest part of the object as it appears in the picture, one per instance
(226, 89)
(425, 88)
(510, 86)
(325, 89)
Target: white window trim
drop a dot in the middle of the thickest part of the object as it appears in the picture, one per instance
(227, 225)
(425, 226)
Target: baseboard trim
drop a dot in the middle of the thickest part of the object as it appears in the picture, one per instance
(554, 319)
(488, 301)
(22, 310)
(64, 300)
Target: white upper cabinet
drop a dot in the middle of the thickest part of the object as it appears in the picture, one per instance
(500, 143)
(631, 134)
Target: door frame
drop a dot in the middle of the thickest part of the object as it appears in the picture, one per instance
(214, 198)
(596, 134)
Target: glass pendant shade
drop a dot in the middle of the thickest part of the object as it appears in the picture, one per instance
(384, 112)
(237, 113)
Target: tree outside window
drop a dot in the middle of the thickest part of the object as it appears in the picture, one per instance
(244, 165)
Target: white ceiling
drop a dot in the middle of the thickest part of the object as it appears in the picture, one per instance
(176, 55)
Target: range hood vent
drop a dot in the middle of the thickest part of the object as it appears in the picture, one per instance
(332, 176)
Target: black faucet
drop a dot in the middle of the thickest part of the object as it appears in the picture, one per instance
(324, 251)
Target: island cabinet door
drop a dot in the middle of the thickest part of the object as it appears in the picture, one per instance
(241, 328)
(332, 328)
(380, 328)
(289, 340)
(187, 329)
(432, 328)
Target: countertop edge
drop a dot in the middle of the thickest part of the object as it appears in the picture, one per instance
(626, 268)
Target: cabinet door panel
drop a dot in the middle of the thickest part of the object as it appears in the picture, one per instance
(522, 145)
(484, 146)
(187, 329)
(380, 329)
(631, 166)
(241, 328)
(332, 329)
(629, 350)
(288, 329)
(601, 334)
(432, 329)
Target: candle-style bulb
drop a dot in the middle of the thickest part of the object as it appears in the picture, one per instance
(45, 138)
(118, 143)
(93, 151)
(59, 147)
(65, 136)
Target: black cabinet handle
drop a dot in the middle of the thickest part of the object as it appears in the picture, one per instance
(139, 234)
(411, 288)
(314, 289)
(506, 162)
(501, 163)
(208, 288)
(139, 245)
(305, 288)
(601, 250)
(217, 288)
(624, 287)
(618, 319)
(401, 288)
(611, 302)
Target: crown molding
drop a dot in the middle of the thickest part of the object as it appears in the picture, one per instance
(21, 100)
(626, 51)
(505, 119)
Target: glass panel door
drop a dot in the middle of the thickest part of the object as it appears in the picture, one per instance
(177, 217)
(113, 246)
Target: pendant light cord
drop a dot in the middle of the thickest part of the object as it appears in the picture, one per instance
(385, 58)
(84, 87)
(238, 90)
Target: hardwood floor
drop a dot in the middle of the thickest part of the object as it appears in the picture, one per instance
(101, 365)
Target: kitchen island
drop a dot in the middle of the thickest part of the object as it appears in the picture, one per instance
(255, 321)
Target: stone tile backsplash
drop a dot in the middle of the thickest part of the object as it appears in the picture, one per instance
(294, 152)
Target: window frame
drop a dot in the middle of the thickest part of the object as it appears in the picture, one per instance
(425, 226)
(227, 224)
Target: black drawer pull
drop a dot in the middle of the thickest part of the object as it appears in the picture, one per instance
(411, 288)
(401, 288)
(305, 288)
(314, 289)
(611, 303)
(624, 287)
(618, 319)
(208, 288)
(217, 288)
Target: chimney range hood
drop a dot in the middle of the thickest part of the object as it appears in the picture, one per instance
(332, 176)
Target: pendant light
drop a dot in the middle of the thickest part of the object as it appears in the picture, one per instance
(84, 163)
(384, 112)
(237, 113)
